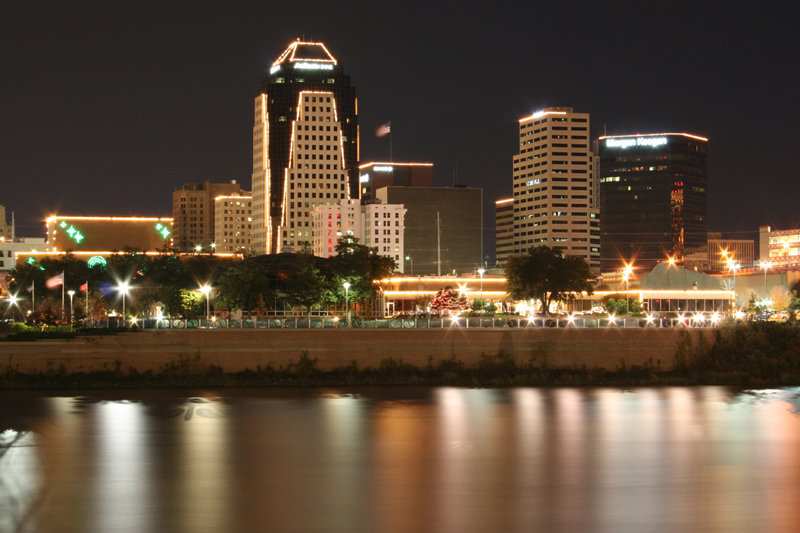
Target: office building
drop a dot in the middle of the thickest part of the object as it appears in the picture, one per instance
(780, 248)
(443, 227)
(305, 146)
(233, 219)
(553, 188)
(374, 175)
(504, 230)
(193, 214)
(5, 227)
(11, 251)
(377, 225)
(653, 197)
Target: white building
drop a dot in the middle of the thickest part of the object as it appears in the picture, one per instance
(553, 186)
(233, 220)
(376, 225)
(779, 247)
(10, 251)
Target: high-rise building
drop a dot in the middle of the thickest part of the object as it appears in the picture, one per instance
(376, 225)
(305, 145)
(374, 175)
(443, 227)
(233, 220)
(553, 186)
(504, 230)
(653, 197)
(193, 213)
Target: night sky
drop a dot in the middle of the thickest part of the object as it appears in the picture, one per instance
(107, 109)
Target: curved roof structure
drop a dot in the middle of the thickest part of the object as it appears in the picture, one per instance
(670, 276)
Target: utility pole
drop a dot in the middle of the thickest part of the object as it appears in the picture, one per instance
(438, 245)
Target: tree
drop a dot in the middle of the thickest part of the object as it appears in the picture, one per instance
(243, 286)
(360, 266)
(449, 300)
(305, 286)
(545, 274)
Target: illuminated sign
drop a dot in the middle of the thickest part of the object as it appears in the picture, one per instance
(31, 260)
(627, 142)
(74, 234)
(364, 178)
(305, 65)
(163, 230)
(383, 168)
(96, 260)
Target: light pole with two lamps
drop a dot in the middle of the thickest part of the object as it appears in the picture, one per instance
(626, 276)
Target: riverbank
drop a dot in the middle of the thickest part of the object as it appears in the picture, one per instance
(741, 355)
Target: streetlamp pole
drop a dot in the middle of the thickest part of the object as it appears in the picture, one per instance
(71, 309)
(346, 286)
(626, 277)
(411, 263)
(206, 289)
(123, 288)
(481, 271)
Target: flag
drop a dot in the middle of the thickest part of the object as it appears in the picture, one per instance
(84, 287)
(55, 281)
(29, 289)
(384, 129)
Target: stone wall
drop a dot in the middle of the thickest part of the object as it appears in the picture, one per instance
(235, 350)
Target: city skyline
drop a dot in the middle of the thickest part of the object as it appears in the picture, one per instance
(111, 110)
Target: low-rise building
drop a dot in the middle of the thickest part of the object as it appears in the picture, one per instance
(233, 221)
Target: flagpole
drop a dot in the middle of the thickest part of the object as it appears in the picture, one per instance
(390, 147)
(86, 318)
(33, 300)
(63, 282)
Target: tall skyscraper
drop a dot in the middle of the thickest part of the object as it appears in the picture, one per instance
(653, 197)
(305, 146)
(553, 187)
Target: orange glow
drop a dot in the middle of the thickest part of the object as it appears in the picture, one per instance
(53, 218)
(504, 201)
(292, 49)
(689, 135)
(371, 163)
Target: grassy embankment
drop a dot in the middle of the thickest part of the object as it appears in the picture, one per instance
(751, 354)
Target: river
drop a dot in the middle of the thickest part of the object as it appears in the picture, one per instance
(437, 459)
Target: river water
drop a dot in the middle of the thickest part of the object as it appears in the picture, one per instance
(401, 460)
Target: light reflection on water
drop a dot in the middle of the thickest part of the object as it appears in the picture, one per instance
(402, 459)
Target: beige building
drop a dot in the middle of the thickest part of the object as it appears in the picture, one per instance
(504, 230)
(553, 185)
(193, 214)
(780, 248)
(5, 227)
(102, 235)
(377, 225)
(233, 220)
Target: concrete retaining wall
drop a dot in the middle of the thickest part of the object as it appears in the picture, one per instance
(235, 350)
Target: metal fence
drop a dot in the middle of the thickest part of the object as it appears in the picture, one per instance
(407, 323)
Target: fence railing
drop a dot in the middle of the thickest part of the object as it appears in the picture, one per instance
(404, 323)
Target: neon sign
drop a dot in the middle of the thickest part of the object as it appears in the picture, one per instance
(383, 168)
(305, 65)
(636, 141)
(364, 178)
(163, 230)
(74, 234)
(96, 260)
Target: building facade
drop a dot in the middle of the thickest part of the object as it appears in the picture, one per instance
(193, 214)
(504, 230)
(374, 175)
(377, 225)
(233, 219)
(305, 146)
(5, 227)
(780, 248)
(653, 196)
(553, 186)
(103, 235)
(443, 227)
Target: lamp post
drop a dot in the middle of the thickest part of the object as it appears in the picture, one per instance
(71, 309)
(626, 276)
(766, 266)
(123, 288)
(206, 289)
(411, 263)
(346, 286)
(12, 302)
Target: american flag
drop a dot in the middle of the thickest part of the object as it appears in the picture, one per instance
(384, 129)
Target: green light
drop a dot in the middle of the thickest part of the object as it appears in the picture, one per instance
(63, 224)
(163, 230)
(31, 260)
(96, 260)
(73, 232)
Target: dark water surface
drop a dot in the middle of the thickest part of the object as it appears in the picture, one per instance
(401, 460)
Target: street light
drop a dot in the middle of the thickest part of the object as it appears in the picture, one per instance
(123, 288)
(481, 272)
(12, 301)
(626, 276)
(71, 309)
(206, 289)
(411, 262)
(346, 286)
